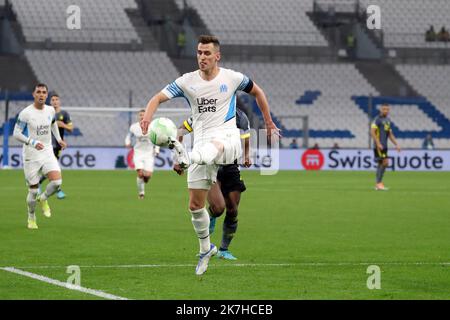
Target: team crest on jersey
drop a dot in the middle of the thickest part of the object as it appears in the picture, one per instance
(223, 88)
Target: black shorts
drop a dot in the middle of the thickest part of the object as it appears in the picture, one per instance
(379, 156)
(57, 151)
(230, 180)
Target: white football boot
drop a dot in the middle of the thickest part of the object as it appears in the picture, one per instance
(203, 260)
(181, 155)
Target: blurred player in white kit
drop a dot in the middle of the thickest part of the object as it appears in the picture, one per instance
(34, 127)
(144, 154)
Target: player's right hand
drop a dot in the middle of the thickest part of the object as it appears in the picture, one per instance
(247, 162)
(177, 168)
(63, 144)
(144, 126)
(39, 146)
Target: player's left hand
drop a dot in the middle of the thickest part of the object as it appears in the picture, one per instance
(272, 129)
(63, 144)
(144, 126)
(398, 148)
(247, 162)
(177, 168)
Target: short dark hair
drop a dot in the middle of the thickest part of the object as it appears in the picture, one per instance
(38, 85)
(54, 94)
(205, 39)
(142, 110)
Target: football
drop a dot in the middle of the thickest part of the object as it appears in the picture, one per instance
(162, 130)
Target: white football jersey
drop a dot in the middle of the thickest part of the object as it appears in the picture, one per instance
(36, 124)
(213, 103)
(142, 143)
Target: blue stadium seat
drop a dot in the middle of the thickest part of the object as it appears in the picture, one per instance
(308, 97)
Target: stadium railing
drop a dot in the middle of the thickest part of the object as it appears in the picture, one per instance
(84, 35)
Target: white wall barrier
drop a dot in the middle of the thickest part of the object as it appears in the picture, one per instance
(283, 159)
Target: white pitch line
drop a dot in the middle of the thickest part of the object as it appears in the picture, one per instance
(243, 265)
(69, 286)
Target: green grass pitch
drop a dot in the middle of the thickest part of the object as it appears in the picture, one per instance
(301, 235)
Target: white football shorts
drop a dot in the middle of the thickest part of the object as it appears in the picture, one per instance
(143, 162)
(203, 176)
(33, 168)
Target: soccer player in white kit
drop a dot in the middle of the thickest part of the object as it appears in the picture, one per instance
(211, 94)
(34, 127)
(144, 154)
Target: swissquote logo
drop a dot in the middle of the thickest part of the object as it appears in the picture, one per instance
(312, 159)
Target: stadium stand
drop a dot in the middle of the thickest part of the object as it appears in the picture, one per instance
(410, 138)
(337, 5)
(333, 116)
(14, 108)
(432, 82)
(410, 117)
(103, 21)
(405, 22)
(333, 95)
(103, 79)
(335, 99)
(259, 22)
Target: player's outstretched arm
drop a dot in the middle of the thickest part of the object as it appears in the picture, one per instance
(181, 132)
(55, 131)
(394, 141)
(128, 140)
(68, 126)
(247, 161)
(18, 135)
(150, 110)
(373, 133)
(263, 105)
